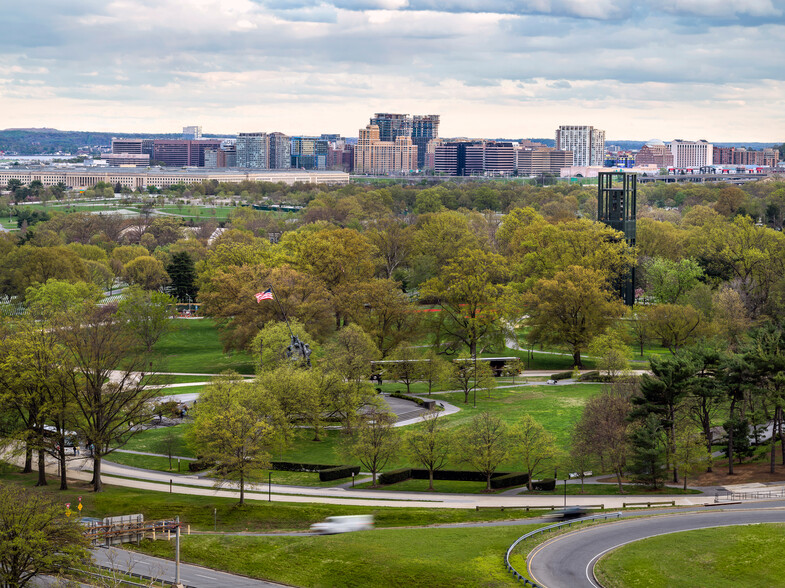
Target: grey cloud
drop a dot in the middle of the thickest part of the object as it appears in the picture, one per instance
(559, 52)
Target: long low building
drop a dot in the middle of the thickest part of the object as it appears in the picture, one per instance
(134, 178)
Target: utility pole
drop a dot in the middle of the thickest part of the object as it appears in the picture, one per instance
(177, 582)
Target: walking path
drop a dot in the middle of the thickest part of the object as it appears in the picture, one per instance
(189, 484)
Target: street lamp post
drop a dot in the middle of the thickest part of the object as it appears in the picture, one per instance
(475, 377)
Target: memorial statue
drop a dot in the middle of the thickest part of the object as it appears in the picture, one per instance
(299, 351)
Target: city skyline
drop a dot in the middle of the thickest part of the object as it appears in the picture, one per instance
(693, 70)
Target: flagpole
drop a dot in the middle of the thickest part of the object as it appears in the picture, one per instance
(275, 296)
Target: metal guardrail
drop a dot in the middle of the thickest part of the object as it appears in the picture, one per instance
(526, 581)
(535, 507)
(756, 495)
(122, 581)
(648, 504)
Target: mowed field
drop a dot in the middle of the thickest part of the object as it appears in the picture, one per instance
(740, 556)
(194, 347)
(556, 407)
(392, 557)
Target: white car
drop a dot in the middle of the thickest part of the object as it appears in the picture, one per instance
(551, 382)
(343, 524)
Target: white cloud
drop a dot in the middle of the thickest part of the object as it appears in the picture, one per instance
(305, 65)
(722, 8)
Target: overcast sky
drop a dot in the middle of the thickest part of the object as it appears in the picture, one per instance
(690, 69)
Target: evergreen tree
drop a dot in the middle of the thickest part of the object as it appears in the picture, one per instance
(662, 394)
(739, 445)
(183, 276)
(648, 452)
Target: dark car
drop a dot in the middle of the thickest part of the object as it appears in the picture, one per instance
(570, 512)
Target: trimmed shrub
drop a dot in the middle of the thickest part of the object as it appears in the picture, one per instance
(338, 472)
(508, 480)
(403, 396)
(590, 377)
(200, 464)
(544, 485)
(561, 376)
(395, 476)
(290, 466)
(595, 376)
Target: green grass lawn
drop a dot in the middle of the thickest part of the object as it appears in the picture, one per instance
(194, 347)
(743, 556)
(555, 407)
(395, 557)
(164, 378)
(422, 387)
(547, 361)
(255, 515)
(151, 441)
(219, 213)
(147, 462)
(180, 390)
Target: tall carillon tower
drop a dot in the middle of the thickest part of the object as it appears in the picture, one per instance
(617, 194)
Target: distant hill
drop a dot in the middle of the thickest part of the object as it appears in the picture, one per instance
(40, 141)
(628, 144)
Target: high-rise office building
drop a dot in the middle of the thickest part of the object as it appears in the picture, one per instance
(181, 153)
(392, 126)
(425, 128)
(374, 156)
(421, 128)
(691, 154)
(541, 160)
(253, 150)
(137, 146)
(309, 152)
(192, 133)
(280, 151)
(586, 143)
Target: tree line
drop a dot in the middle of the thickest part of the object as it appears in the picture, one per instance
(75, 372)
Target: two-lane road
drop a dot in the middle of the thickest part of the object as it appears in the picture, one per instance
(567, 561)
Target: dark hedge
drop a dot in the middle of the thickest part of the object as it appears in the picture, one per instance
(336, 473)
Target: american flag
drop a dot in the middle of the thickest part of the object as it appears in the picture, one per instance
(266, 295)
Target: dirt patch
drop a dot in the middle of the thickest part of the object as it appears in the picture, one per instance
(746, 473)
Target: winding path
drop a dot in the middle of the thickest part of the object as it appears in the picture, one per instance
(568, 560)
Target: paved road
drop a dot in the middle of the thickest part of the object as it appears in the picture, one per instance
(164, 569)
(568, 560)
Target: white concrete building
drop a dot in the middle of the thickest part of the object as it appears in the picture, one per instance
(688, 154)
(586, 143)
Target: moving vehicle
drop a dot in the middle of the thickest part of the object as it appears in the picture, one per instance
(343, 524)
(570, 512)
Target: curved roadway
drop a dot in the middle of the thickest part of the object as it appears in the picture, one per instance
(568, 561)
